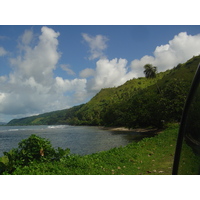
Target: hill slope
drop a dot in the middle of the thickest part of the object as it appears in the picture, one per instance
(51, 118)
(136, 103)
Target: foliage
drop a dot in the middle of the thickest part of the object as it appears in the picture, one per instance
(55, 118)
(150, 71)
(33, 149)
(189, 161)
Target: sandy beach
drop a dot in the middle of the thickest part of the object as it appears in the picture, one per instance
(141, 130)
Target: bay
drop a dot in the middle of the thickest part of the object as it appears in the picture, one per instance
(80, 140)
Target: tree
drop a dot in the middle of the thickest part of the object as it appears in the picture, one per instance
(150, 71)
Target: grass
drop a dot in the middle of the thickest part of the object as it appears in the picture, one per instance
(152, 156)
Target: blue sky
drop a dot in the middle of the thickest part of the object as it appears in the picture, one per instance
(46, 68)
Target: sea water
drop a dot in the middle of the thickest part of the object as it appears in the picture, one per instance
(80, 140)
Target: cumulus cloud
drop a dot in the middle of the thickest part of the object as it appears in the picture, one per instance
(76, 86)
(31, 86)
(181, 48)
(3, 52)
(40, 61)
(109, 73)
(97, 45)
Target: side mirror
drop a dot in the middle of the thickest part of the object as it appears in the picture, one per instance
(187, 154)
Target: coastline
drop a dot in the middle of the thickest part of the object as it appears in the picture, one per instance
(124, 129)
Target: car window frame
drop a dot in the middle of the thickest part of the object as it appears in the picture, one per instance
(181, 134)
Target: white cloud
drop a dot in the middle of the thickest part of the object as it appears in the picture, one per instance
(31, 87)
(181, 48)
(39, 61)
(97, 45)
(3, 52)
(109, 73)
(87, 73)
(70, 85)
(77, 88)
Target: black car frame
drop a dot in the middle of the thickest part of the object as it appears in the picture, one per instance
(187, 154)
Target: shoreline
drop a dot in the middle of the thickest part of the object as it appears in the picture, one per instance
(124, 129)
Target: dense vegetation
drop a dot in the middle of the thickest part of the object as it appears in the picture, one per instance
(51, 118)
(35, 155)
(32, 150)
(140, 102)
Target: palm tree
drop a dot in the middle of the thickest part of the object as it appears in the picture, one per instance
(150, 71)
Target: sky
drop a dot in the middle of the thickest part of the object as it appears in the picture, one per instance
(45, 68)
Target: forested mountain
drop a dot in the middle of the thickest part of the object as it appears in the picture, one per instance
(139, 102)
(50, 118)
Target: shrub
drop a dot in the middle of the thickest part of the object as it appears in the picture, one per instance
(33, 149)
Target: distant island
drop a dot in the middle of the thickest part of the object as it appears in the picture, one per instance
(140, 102)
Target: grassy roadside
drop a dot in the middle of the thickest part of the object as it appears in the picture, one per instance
(149, 156)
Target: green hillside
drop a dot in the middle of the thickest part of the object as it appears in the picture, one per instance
(139, 102)
(51, 118)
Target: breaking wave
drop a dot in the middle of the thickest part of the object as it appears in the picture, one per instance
(57, 126)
